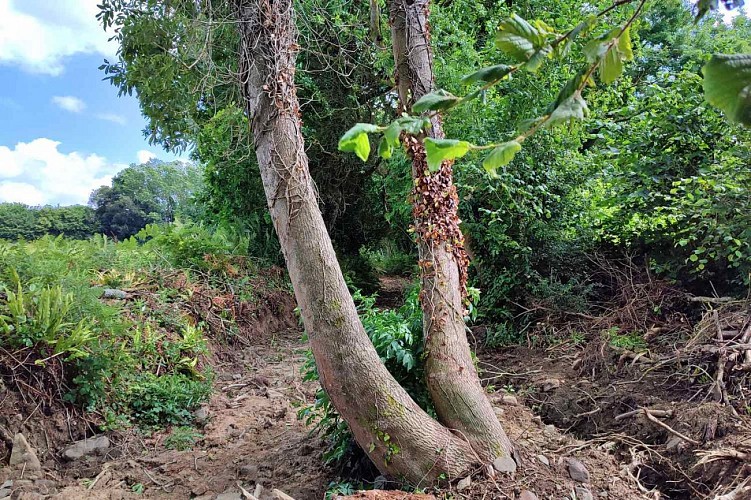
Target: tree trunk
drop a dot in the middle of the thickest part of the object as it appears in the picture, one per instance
(400, 438)
(452, 380)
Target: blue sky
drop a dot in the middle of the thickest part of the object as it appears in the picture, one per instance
(63, 131)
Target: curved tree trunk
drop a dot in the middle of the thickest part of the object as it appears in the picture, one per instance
(452, 380)
(400, 438)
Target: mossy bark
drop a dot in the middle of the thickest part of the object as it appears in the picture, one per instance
(400, 438)
(460, 401)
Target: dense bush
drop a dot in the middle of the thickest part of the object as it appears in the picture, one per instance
(20, 221)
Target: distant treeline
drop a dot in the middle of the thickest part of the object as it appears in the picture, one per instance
(152, 192)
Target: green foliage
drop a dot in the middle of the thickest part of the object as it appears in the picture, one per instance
(21, 221)
(397, 337)
(122, 360)
(632, 341)
(154, 192)
(182, 438)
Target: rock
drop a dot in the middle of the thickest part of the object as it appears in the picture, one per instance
(543, 460)
(504, 464)
(80, 449)
(549, 431)
(498, 412)
(675, 445)
(508, 399)
(249, 473)
(550, 384)
(230, 494)
(603, 494)
(577, 471)
(45, 486)
(23, 457)
(237, 376)
(527, 495)
(464, 484)
(201, 415)
(112, 293)
(5, 489)
(583, 493)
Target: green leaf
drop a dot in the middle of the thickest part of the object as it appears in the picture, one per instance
(500, 156)
(596, 48)
(572, 108)
(727, 85)
(439, 100)
(413, 125)
(438, 150)
(517, 38)
(625, 46)
(384, 148)
(392, 133)
(535, 62)
(356, 139)
(611, 66)
(490, 74)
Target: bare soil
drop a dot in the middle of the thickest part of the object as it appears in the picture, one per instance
(559, 402)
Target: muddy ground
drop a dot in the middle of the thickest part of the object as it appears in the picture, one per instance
(639, 429)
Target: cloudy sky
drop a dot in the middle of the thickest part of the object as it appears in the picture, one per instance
(63, 131)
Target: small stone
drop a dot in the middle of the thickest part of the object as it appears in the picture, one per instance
(249, 472)
(508, 399)
(464, 484)
(112, 293)
(583, 493)
(577, 471)
(527, 495)
(23, 457)
(201, 415)
(549, 431)
(550, 384)
(603, 494)
(230, 495)
(200, 489)
(543, 460)
(45, 486)
(504, 464)
(675, 444)
(85, 447)
(498, 412)
(236, 376)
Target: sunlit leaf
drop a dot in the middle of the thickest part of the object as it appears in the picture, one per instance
(572, 108)
(727, 85)
(438, 150)
(611, 66)
(500, 156)
(356, 140)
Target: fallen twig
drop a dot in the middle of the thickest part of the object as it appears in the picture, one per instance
(670, 429)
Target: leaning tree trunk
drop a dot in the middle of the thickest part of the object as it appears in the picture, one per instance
(454, 385)
(400, 438)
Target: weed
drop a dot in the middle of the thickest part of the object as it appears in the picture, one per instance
(182, 438)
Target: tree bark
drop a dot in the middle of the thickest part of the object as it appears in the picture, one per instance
(460, 401)
(400, 438)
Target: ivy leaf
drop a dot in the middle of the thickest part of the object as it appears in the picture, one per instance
(573, 107)
(500, 156)
(727, 85)
(356, 139)
(440, 100)
(438, 150)
(490, 74)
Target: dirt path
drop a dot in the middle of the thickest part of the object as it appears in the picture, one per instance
(251, 436)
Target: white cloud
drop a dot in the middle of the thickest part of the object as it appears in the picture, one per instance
(69, 103)
(37, 173)
(112, 117)
(39, 34)
(21, 192)
(144, 156)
